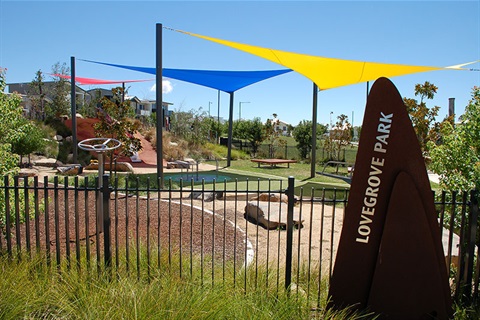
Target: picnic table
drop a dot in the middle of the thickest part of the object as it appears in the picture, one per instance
(273, 162)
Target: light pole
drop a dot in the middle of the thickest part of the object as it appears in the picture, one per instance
(240, 109)
(209, 104)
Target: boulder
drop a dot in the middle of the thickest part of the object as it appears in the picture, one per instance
(72, 170)
(47, 162)
(208, 197)
(270, 216)
(120, 167)
(273, 197)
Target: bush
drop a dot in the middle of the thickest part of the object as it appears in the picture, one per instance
(150, 134)
(59, 127)
(50, 149)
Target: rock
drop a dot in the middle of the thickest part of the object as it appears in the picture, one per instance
(272, 197)
(28, 172)
(72, 170)
(276, 218)
(47, 162)
(120, 167)
(195, 195)
(58, 138)
(209, 197)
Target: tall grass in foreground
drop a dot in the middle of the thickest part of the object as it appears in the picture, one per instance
(31, 289)
(173, 288)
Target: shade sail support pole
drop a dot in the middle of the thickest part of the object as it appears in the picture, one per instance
(73, 102)
(230, 130)
(219, 134)
(159, 102)
(314, 131)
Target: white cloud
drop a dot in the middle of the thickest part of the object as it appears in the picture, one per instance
(166, 87)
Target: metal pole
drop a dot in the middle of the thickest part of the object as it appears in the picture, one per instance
(471, 244)
(73, 102)
(314, 131)
(107, 245)
(159, 101)
(230, 130)
(289, 249)
(218, 118)
(99, 198)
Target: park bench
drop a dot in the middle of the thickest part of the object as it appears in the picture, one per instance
(273, 162)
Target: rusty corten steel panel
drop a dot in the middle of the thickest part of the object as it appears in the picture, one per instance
(390, 258)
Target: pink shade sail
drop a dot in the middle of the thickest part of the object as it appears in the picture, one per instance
(86, 81)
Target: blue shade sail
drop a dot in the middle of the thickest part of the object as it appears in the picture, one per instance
(227, 81)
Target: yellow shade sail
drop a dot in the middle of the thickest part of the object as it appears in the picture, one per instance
(328, 73)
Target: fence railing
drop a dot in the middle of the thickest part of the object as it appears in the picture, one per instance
(291, 151)
(289, 244)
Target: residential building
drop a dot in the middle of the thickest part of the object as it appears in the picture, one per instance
(141, 107)
(25, 92)
(281, 127)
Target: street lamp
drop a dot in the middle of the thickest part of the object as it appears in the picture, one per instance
(240, 109)
(209, 104)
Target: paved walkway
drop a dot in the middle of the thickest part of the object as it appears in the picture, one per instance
(148, 164)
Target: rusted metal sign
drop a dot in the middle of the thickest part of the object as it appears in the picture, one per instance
(390, 258)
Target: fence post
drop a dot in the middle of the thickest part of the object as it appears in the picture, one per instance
(8, 232)
(289, 250)
(471, 244)
(106, 221)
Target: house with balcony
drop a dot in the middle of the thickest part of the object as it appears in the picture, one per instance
(26, 92)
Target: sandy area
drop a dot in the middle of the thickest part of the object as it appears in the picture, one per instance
(312, 243)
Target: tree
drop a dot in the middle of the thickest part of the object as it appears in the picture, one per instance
(214, 130)
(423, 117)
(22, 136)
(273, 136)
(90, 109)
(10, 115)
(339, 138)
(456, 158)
(302, 134)
(10, 119)
(60, 93)
(27, 139)
(37, 96)
(251, 130)
(116, 122)
(191, 126)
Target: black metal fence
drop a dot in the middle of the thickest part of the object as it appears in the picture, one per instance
(221, 229)
(290, 151)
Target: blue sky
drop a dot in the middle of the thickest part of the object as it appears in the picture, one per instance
(34, 35)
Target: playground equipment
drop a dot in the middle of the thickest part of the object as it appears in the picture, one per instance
(100, 146)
